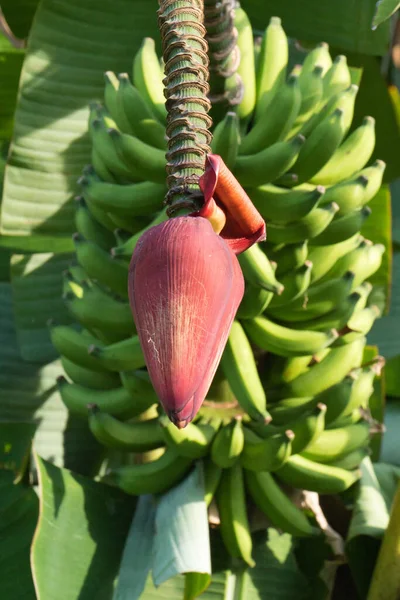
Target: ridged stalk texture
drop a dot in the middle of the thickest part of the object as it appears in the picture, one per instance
(224, 52)
(186, 91)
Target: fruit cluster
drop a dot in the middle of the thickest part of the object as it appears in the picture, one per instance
(299, 336)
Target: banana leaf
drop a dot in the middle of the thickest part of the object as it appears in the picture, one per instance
(343, 24)
(80, 535)
(19, 508)
(28, 393)
(71, 43)
(19, 15)
(37, 297)
(384, 9)
(369, 520)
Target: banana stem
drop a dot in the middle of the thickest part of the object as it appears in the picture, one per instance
(223, 51)
(186, 88)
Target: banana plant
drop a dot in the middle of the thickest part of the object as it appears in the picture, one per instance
(290, 401)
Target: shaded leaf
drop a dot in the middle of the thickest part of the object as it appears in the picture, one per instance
(28, 392)
(384, 10)
(392, 375)
(276, 575)
(386, 331)
(19, 15)
(374, 99)
(80, 535)
(182, 542)
(15, 448)
(37, 294)
(137, 557)
(390, 452)
(11, 60)
(369, 521)
(63, 71)
(19, 508)
(343, 24)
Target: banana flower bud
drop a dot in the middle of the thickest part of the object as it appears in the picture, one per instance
(185, 286)
(243, 225)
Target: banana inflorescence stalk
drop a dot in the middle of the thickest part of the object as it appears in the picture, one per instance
(289, 403)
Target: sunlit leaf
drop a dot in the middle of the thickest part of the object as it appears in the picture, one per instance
(384, 10)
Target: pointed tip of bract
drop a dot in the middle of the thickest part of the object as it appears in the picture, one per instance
(179, 423)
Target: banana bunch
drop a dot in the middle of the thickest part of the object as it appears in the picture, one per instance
(300, 332)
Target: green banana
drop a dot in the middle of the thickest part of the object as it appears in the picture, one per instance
(88, 377)
(268, 164)
(361, 321)
(274, 126)
(104, 144)
(126, 201)
(115, 319)
(125, 250)
(231, 502)
(246, 68)
(352, 460)
(288, 257)
(121, 356)
(332, 369)
(295, 285)
(226, 139)
(271, 72)
(137, 116)
(343, 227)
(148, 79)
(268, 453)
(317, 56)
(116, 402)
(332, 444)
(320, 146)
(258, 270)
(255, 300)
(355, 192)
(311, 90)
(290, 409)
(309, 226)
(193, 441)
(228, 444)
(324, 258)
(101, 168)
(344, 100)
(337, 78)
(89, 228)
(307, 429)
(306, 474)
(74, 345)
(285, 205)
(138, 385)
(336, 318)
(285, 369)
(350, 157)
(240, 369)
(139, 156)
(153, 477)
(139, 436)
(319, 300)
(111, 89)
(101, 266)
(284, 341)
(276, 505)
(364, 260)
(212, 477)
